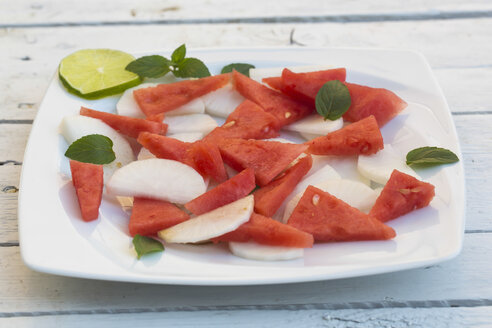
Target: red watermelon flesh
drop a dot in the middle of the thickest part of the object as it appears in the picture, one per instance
(266, 231)
(362, 137)
(247, 121)
(227, 192)
(401, 195)
(366, 101)
(165, 97)
(285, 109)
(274, 82)
(269, 198)
(129, 126)
(165, 147)
(157, 118)
(266, 158)
(305, 86)
(88, 182)
(150, 216)
(328, 218)
(207, 160)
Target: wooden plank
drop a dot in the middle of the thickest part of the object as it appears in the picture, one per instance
(464, 281)
(59, 11)
(393, 317)
(13, 139)
(22, 86)
(9, 183)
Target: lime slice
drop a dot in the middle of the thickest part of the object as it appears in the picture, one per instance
(97, 73)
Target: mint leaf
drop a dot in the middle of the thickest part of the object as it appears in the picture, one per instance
(191, 67)
(179, 54)
(333, 100)
(93, 148)
(430, 156)
(149, 66)
(242, 68)
(145, 245)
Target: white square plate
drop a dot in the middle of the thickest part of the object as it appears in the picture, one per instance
(54, 239)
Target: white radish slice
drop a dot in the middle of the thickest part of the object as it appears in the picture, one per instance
(187, 137)
(157, 178)
(223, 101)
(346, 166)
(196, 106)
(315, 124)
(127, 106)
(308, 136)
(258, 74)
(211, 224)
(76, 127)
(354, 193)
(254, 251)
(190, 123)
(378, 167)
(144, 153)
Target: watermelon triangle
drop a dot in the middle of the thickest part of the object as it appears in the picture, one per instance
(285, 109)
(267, 158)
(165, 147)
(269, 198)
(207, 160)
(328, 218)
(165, 97)
(359, 138)
(274, 82)
(235, 188)
(150, 216)
(247, 121)
(266, 231)
(129, 126)
(401, 195)
(88, 182)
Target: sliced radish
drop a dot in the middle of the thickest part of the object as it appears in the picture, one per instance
(211, 224)
(75, 127)
(196, 106)
(308, 136)
(378, 167)
(354, 193)
(258, 74)
(346, 167)
(254, 251)
(315, 124)
(127, 106)
(157, 178)
(223, 101)
(190, 123)
(144, 153)
(187, 137)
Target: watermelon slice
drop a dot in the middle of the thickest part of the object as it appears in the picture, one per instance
(88, 182)
(401, 195)
(227, 192)
(362, 137)
(269, 198)
(285, 109)
(328, 218)
(247, 121)
(305, 86)
(267, 231)
(367, 101)
(129, 126)
(149, 216)
(204, 157)
(266, 158)
(274, 82)
(165, 97)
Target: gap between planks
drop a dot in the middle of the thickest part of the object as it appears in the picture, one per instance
(266, 307)
(361, 18)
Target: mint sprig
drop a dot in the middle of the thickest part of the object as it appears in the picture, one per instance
(181, 66)
(242, 68)
(146, 245)
(333, 100)
(430, 156)
(93, 148)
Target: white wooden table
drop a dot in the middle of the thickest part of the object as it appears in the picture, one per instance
(455, 36)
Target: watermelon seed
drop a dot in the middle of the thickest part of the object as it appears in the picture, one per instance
(288, 114)
(315, 200)
(229, 124)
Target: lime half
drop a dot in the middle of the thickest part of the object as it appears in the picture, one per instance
(97, 73)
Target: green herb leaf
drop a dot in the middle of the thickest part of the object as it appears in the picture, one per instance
(333, 100)
(93, 148)
(191, 67)
(179, 54)
(430, 156)
(242, 68)
(150, 66)
(145, 245)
